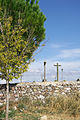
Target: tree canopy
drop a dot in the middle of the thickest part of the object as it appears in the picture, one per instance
(21, 31)
(32, 18)
(12, 49)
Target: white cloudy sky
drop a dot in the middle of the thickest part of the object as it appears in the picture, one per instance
(67, 58)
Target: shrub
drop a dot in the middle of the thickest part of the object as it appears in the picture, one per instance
(2, 114)
(12, 113)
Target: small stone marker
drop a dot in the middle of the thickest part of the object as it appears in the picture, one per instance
(44, 117)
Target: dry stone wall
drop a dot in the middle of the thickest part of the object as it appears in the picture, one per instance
(38, 90)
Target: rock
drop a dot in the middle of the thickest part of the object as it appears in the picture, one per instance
(44, 117)
(39, 90)
(63, 93)
(16, 99)
(68, 89)
(56, 91)
(1, 104)
(1, 95)
(13, 88)
(41, 97)
(16, 95)
(15, 108)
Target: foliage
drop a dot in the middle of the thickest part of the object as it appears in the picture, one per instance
(21, 107)
(13, 49)
(2, 114)
(21, 31)
(12, 113)
(32, 18)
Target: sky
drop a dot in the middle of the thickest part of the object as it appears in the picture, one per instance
(62, 42)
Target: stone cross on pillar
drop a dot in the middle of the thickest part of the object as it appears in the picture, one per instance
(57, 65)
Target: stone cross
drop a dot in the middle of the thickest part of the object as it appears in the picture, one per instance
(57, 65)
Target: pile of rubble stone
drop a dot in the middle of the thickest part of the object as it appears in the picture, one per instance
(38, 90)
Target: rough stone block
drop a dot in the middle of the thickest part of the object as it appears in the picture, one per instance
(44, 117)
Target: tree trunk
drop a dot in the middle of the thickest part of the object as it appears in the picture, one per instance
(7, 98)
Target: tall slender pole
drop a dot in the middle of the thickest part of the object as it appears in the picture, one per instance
(62, 74)
(41, 76)
(57, 65)
(44, 71)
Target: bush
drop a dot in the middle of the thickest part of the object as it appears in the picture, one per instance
(21, 107)
(12, 113)
(2, 114)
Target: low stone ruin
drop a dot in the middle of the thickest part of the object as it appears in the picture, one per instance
(38, 90)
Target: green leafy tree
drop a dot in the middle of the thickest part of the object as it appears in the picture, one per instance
(12, 53)
(32, 18)
(17, 44)
(20, 35)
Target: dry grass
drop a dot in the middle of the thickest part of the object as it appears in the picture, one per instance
(56, 108)
(62, 117)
